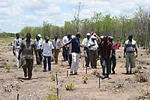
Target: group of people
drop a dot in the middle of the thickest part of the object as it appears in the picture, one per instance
(95, 48)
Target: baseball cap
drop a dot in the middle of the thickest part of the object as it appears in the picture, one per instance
(88, 34)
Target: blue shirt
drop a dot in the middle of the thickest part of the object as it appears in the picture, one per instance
(75, 45)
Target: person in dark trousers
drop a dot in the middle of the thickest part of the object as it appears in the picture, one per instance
(130, 47)
(69, 50)
(26, 48)
(85, 43)
(47, 53)
(65, 48)
(113, 59)
(106, 54)
(39, 50)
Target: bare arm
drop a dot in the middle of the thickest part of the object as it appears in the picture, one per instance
(64, 45)
(124, 52)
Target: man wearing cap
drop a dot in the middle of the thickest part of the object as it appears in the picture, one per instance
(16, 46)
(93, 46)
(85, 43)
(106, 54)
(75, 53)
(47, 53)
(38, 43)
(113, 59)
(26, 48)
(130, 47)
(56, 44)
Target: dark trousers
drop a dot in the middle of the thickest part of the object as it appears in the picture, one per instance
(86, 50)
(93, 58)
(70, 60)
(65, 53)
(113, 63)
(45, 62)
(27, 67)
(106, 63)
(39, 61)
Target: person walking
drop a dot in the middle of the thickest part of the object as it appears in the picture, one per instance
(93, 47)
(47, 53)
(38, 43)
(65, 48)
(130, 47)
(106, 54)
(75, 52)
(85, 43)
(16, 46)
(113, 59)
(56, 44)
(26, 48)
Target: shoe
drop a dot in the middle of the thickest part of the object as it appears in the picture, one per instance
(49, 69)
(130, 72)
(44, 70)
(103, 77)
(30, 77)
(71, 73)
(127, 72)
(113, 72)
(25, 75)
(75, 73)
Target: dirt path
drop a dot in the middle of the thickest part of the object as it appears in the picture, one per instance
(119, 87)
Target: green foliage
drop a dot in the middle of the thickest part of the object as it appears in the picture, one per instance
(8, 68)
(85, 79)
(53, 94)
(53, 77)
(70, 87)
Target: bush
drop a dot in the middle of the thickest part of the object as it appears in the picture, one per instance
(85, 79)
(70, 87)
(53, 77)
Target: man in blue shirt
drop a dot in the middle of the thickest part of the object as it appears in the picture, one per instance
(75, 53)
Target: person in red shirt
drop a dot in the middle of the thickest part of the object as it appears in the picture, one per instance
(106, 54)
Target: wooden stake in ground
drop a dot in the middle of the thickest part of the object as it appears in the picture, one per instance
(57, 92)
(86, 69)
(99, 81)
(17, 96)
(67, 73)
(56, 78)
(83, 62)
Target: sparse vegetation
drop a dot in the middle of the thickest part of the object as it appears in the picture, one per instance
(140, 77)
(53, 94)
(53, 77)
(85, 79)
(8, 68)
(70, 87)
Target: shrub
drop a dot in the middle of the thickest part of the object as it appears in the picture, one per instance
(85, 79)
(70, 87)
(53, 77)
(53, 95)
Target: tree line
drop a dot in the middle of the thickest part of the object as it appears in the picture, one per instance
(118, 26)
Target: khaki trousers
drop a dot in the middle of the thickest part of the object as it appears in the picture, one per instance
(130, 60)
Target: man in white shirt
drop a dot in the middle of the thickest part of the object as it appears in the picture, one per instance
(38, 43)
(56, 44)
(130, 47)
(65, 49)
(47, 53)
(16, 46)
(85, 43)
(93, 46)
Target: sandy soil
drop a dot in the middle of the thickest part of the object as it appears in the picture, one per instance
(119, 87)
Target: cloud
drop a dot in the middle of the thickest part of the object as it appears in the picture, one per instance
(20, 13)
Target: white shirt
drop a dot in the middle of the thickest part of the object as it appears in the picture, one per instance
(95, 47)
(47, 48)
(16, 43)
(65, 40)
(85, 42)
(56, 44)
(38, 44)
(130, 46)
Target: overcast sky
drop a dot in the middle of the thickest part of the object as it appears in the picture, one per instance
(16, 14)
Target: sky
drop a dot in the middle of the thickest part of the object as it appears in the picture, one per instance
(16, 14)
